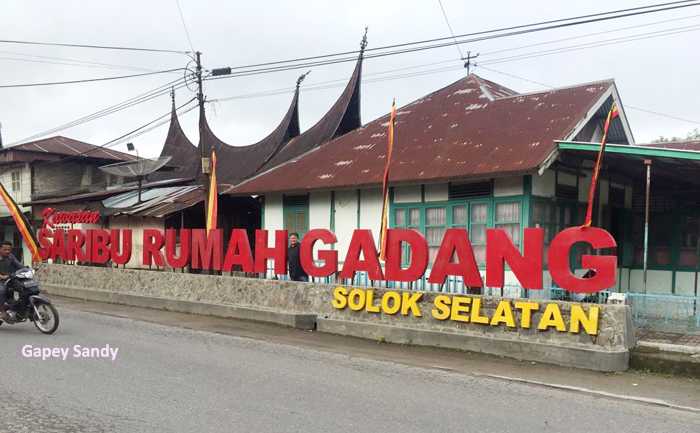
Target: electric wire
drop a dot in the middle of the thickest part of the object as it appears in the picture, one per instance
(102, 47)
(259, 71)
(31, 58)
(561, 22)
(449, 27)
(187, 32)
(548, 86)
(130, 102)
(89, 80)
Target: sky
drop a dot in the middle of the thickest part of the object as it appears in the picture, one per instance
(656, 74)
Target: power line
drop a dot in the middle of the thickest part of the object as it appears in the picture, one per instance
(102, 47)
(584, 19)
(88, 80)
(130, 102)
(596, 44)
(644, 110)
(187, 32)
(447, 21)
(131, 134)
(52, 60)
(415, 49)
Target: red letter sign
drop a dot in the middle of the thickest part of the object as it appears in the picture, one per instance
(238, 252)
(278, 253)
(456, 241)
(527, 268)
(604, 266)
(419, 255)
(206, 249)
(329, 257)
(362, 243)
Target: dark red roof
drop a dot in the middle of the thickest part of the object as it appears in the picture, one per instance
(185, 155)
(681, 145)
(236, 163)
(65, 146)
(343, 117)
(472, 128)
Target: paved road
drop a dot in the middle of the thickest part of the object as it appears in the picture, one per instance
(168, 379)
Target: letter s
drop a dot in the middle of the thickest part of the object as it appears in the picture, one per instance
(340, 299)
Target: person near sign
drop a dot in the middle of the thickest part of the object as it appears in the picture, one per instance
(296, 271)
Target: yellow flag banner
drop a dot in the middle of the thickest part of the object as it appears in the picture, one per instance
(612, 114)
(213, 199)
(385, 183)
(23, 225)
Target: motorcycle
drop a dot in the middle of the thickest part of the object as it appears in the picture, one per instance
(25, 303)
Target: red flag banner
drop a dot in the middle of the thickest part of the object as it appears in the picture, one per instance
(385, 183)
(213, 199)
(23, 225)
(612, 114)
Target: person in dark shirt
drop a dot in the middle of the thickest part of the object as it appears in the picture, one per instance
(296, 271)
(8, 265)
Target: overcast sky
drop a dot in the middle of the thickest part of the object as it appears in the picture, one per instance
(658, 74)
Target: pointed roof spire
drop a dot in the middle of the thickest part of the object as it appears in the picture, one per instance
(363, 43)
(302, 77)
(241, 162)
(185, 156)
(342, 117)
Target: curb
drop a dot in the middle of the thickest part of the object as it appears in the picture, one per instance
(598, 360)
(588, 391)
(666, 358)
(292, 320)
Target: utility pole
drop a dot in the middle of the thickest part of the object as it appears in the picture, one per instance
(200, 99)
(468, 62)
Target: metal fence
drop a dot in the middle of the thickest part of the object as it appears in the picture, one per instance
(665, 312)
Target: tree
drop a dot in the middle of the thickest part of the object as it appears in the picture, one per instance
(692, 135)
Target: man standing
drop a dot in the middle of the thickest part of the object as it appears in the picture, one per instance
(296, 271)
(8, 265)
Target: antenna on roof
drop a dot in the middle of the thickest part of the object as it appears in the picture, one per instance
(0, 135)
(363, 44)
(468, 62)
(172, 95)
(302, 76)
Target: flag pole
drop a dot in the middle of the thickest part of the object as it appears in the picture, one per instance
(385, 183)
(612, 114)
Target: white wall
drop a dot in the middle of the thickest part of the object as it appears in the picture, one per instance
(320, 210)
(506, 186)
(24, 194)
(685, 283)
(371, 212)
(657, 281)
(274, 215)
(543, 186)
(345, 219)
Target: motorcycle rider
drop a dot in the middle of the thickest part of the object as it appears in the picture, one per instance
(8, 265)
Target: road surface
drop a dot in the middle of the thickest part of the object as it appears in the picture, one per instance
(171, 379)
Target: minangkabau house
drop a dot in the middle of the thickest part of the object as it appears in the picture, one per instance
(472, 155)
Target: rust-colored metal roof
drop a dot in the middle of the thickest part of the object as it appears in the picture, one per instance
(185, 155)
(64, 146)
(236, 163)
(681, 144)
(99, 195)
(473, 128)
(343, 117)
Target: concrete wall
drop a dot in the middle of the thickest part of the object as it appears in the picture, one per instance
(137, 226)
(608, 351)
